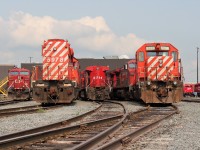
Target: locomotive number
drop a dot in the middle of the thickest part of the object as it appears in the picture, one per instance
(54, 59)
(97, 77)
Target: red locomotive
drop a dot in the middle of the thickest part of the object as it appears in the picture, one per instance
(60, 74)
(19, 84)
(159, 73)
(94, 85)
(188, 90)
(123, 81)
(197, 89)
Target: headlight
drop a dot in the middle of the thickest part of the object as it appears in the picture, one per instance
(148, 82)
(175, 83)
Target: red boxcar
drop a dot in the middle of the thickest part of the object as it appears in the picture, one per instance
(57, 80)
(94, 85)
(123, 81)
(19, 84)
(188, 89)
(159, 73)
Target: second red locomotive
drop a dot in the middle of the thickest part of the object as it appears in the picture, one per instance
(94, 85)
(123, 81)
(19, 84)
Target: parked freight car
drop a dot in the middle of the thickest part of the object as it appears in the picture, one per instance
(123, 81)
(19, 84)
(57, 80)
(94, 85)
(159, 73)
(188, 89)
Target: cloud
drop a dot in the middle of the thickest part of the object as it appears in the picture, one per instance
(22, 34)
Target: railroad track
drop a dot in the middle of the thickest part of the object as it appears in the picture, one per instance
(133, 127)
(102, 130)
(6, 102)
(85, 127)
(194, 100)
(23, 110)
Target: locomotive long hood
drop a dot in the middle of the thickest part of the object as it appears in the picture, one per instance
(160, 68)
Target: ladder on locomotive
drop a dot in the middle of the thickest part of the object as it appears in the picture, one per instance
(2, 83)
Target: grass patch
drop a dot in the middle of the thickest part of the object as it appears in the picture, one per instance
(41, 110)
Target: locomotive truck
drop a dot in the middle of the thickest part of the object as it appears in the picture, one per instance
(57, 80)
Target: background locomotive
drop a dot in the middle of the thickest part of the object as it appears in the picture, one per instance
(159, 73)
(197, 89)
(94, 85)
(58, 80)
(123, 81)
(19, 84)
(188, 89)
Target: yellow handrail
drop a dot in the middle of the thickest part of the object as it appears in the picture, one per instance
(2, 83)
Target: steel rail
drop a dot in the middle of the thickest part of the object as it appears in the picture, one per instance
(22, 110)
(191, 100)
(6, 102)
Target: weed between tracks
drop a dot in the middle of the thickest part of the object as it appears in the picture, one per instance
(41, 110)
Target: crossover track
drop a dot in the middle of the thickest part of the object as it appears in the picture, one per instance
(23, 110)
(52, 136)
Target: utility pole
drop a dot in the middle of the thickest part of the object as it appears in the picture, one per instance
(30, 59)
(197, 65)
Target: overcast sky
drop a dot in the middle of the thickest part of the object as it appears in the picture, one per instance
(99, 28)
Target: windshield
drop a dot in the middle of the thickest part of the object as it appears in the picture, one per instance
(157, 54)
(132, 65)
(14, 73)
(24, 73)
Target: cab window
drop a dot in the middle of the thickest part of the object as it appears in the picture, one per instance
(150, 54)
(13, 73)
(132, 65)
(24, 73)
(174, 56)
(141, 56)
